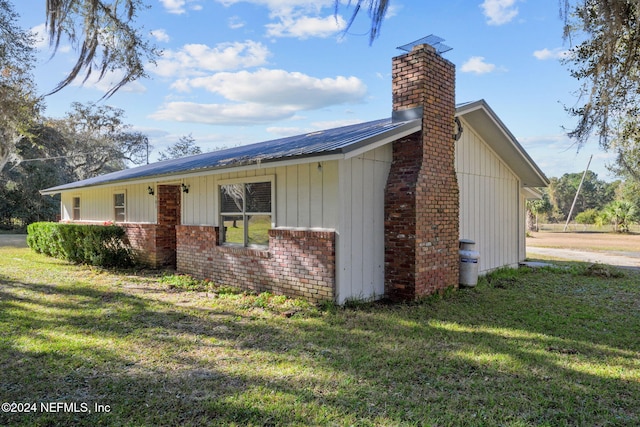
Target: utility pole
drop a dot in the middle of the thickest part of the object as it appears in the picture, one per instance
(577, 192)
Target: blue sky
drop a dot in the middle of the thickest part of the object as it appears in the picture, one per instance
(240, 71)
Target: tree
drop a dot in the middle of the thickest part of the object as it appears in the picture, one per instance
(19, 103)
(595, 193)
(377, 10)
(95, 140)
(587, 217)
(626, 144)
(20, 201)
(183, 148)
(629, 190)
(619, 213)
(105, 37)
(605, 63)
(538, 207)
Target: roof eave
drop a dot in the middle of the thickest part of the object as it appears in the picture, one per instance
(485, 121)
(348, 151)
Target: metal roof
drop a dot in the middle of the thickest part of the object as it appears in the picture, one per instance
(340, 140)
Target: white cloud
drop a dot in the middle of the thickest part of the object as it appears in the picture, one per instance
(557, 53)
(280, 5)
(196, 59)
(263, 96)
(499, 12)
(304, 27)
(477, 64)
(179, 7)
(282, 88)
(160, 35)
(235, 22)
(174, 6)
(222, 114)
(298, 18)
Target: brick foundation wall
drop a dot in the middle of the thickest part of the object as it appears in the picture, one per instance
(142, 238)
(422, 196)
(297, 263)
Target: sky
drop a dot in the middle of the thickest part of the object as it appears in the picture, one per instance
(235, 72)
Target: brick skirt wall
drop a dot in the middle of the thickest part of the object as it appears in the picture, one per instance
(298, 263)
(153, 244)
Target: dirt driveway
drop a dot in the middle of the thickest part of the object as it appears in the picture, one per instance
(13, 240)
(621, 250)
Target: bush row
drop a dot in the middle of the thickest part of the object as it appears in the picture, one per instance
(98, 245)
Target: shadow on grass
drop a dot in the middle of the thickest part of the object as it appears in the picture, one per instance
(540, 350)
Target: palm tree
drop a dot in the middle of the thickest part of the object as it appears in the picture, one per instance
(619, 213)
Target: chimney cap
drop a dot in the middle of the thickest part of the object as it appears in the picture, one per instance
(432, 40)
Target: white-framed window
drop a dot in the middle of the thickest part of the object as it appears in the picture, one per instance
(120, 207)
(246, 211)
(75, 214)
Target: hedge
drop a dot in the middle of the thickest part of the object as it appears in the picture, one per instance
(98, 245)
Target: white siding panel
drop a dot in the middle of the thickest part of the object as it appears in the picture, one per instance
(330, 191)
(489, 202)
(304, 196)
(316, 199)
(291, 189)
(360, 249)
(96, 205)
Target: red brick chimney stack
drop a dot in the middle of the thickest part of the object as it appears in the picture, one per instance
(422, 196)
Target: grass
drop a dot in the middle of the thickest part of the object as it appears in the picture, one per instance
(577, 228)
(549, 347)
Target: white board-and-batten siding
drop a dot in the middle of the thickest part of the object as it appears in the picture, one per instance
(360, 255)
(490, 202)
(306, 195)
(97, 204)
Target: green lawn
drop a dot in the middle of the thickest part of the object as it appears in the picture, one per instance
(548, 348)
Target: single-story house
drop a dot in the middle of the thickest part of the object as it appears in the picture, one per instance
(354, 213)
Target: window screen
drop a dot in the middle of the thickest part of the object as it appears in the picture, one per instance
(76, 208)
(246, 213)
(119, 207)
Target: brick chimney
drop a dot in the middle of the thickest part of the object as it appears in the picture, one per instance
(422, 196)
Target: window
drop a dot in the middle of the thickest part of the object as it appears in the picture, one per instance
(119, 207)
(246, 213)
(76, 209)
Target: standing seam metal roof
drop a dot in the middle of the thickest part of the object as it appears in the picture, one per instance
(332, 141)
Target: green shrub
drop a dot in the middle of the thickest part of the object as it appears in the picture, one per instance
(98, 245)
(587, 217)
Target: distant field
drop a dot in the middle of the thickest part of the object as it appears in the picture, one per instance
(589, 240)
(582, 228)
